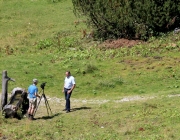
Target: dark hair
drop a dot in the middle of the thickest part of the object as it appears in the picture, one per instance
(68, 72)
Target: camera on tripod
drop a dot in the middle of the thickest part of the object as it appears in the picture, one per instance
(46, 101)
(43, 85)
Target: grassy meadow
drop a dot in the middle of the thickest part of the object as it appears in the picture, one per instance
(43, 38)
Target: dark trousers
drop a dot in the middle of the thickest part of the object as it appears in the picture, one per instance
(67, 98)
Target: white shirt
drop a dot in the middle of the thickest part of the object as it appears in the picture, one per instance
(69, 82)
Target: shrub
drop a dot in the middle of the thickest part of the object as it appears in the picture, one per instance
(90, 68)
(43, 44)
(129, 19)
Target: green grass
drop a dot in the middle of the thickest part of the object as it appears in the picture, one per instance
(40, 40)
(23, 23)
(156, 118)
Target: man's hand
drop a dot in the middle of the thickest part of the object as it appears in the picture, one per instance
(63, 91)
(37, 95)
(69, 91)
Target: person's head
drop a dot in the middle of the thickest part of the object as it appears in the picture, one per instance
(68, 73)
(35, 81)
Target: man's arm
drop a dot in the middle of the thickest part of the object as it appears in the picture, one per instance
(37, 95)
(63, 89)
(72, 88)
(74, 85)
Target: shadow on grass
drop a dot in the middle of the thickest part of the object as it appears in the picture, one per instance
(79, 108)
(48, 117)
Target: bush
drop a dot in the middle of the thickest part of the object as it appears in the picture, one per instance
(129, 19)
(43, 44)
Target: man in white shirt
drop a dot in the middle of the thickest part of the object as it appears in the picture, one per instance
(69, 85)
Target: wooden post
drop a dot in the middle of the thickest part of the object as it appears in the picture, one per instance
(4, 95)
(4, 89)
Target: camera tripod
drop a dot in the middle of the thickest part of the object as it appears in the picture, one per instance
(46, 102)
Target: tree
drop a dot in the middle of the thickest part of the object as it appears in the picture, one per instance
(129, 18)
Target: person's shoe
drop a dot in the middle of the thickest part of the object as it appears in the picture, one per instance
(67, 111)
(33, 118)
(30, 117)
(64, 109)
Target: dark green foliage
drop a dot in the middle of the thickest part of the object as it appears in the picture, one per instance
(129, 18)
(90, 68)
(43, 44)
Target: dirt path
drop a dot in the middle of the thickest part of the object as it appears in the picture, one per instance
(102, 101)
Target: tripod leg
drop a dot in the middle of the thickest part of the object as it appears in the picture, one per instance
(47, 104)
(47, 107)
(37, 106)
